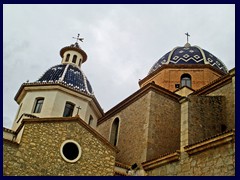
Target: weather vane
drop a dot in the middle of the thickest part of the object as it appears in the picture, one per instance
(78, 38)
(187, 36)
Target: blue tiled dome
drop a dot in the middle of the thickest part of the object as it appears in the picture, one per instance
(189, 55)
(69, 75)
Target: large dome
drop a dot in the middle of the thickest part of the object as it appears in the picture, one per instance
(189, 55)
(68, 74)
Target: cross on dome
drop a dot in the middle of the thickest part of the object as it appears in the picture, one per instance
(187, 36)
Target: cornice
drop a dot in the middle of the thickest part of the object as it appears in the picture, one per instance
(164, 159)
(119, 164)
(135, 96)
(216, 84)
(57, 84)
(211, 142)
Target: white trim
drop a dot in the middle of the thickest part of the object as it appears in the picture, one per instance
(64, 73)
(79, 149)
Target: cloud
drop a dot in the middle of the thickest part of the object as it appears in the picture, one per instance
(122, 42)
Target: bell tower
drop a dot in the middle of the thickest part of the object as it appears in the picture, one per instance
(62, 91)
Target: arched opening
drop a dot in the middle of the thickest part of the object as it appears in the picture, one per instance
(68, 110)
(38, 105)
(186, 80)
(90, 122)
(80, 61)
(67, 58)
(74, 59)
(114, 132)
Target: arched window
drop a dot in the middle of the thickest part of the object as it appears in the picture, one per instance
(90, 122)
(74, 59)
(68, 110)
(67, 58)
(80, 60)
(186, 80)
(38, 105)
(114, 132)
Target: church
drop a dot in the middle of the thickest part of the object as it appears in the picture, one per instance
(181, 121)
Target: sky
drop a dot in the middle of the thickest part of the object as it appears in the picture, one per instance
(122, 42)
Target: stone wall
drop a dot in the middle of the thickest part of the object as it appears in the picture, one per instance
(206, 117)
(149, 127)
(228, 92)
(218, 161)
(132, 138)
(164, 126)
(39, 152)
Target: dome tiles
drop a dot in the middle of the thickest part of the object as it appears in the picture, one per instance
(68, 75)
(189, 55)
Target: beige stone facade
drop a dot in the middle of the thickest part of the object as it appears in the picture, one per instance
(146, 128)
(216, 159)
(39, 150)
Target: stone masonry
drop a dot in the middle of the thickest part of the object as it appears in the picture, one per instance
(148, 128)
(38, 153)
(132, 138)
(217, 161)
(206, 117)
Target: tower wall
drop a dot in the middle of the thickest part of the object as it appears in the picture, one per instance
(54, 104)
(133, 130)
(206, 117)
(164, 126)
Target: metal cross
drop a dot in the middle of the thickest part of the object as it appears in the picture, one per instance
(78, 109)
(187, 36)
(78, 38)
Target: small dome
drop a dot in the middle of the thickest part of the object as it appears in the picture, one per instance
(189, 55)
(69, 75)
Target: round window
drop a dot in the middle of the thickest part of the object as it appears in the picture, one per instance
(70, 151)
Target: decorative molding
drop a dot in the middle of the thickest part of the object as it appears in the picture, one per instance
(118, 164)
(137, 95)
(56, 86)
(216, 84)
(217, 140)
(168, 158)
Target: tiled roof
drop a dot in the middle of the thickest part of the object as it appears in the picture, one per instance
(69, 75)
(189, 55)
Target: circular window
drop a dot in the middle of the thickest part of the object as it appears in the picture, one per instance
(70, 151)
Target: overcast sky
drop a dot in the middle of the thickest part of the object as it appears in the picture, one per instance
(122, 42)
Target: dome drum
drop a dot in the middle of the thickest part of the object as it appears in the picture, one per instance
(74, 47)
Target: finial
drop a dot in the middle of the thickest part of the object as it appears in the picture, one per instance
(78, 38)
(187, 36)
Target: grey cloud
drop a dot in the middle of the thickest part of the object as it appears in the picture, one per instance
(122, 42)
